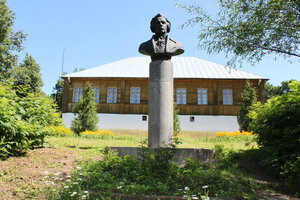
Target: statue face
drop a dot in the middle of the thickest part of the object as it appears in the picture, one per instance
(160, 26)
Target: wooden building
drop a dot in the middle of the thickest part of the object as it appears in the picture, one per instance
(200, 87)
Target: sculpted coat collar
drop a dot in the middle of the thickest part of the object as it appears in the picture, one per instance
(172, 48)
(169, 44)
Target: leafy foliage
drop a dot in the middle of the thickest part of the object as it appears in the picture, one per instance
(78, 69)
(176, 124)
(22, 120)
(272, 91)
(10, 41)
(277, 125)
(248, 100)
(86, 112)
(249, 29)
(156, 174)
(58, 92)
(28, 74)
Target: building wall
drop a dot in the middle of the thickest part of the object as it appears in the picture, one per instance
(214, 95)
(135, 122)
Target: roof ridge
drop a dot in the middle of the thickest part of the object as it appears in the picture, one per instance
(138, 67)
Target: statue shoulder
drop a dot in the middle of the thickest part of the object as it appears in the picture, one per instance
(146, 48)
(177, 44)
(175, 47)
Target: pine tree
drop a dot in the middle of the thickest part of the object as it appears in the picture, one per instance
(86, 113)
(28, 75)
(248, 100)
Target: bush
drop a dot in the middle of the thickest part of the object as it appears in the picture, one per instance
(277, 124)
(23, 120)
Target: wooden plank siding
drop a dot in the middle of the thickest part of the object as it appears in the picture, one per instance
(123, 106)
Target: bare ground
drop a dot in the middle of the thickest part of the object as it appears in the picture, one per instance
(27, 177)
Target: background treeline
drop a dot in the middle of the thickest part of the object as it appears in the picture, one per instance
(25, 110)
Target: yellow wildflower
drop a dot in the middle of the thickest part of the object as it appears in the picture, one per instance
(235, 134)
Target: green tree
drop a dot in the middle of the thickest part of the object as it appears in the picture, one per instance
(277, 125)
(272, 91)
(248, 30)
(10, 42)
(86, 113)
(58, 92)
(248, 100)
(28, 74)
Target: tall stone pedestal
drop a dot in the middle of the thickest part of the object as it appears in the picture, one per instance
(160, 110)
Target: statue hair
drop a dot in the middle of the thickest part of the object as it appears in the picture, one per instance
(155, 18)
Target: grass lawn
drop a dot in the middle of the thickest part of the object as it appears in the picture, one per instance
(89, 145)
(46, 169)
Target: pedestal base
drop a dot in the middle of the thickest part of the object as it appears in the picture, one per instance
(201, 155)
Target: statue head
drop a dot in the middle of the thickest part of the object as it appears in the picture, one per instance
(160, 25)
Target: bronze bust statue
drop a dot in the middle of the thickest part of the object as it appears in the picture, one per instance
(161, 46)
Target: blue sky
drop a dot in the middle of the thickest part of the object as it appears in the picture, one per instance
(95, 32)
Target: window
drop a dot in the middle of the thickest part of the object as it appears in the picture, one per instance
(135, 95)
(202, 96)
(227, 97)
(77, 93)
(97, 94)
(112, 95)
(192, 118)
(181, 96)
(144, 118)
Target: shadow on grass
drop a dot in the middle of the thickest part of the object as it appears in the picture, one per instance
(88, 147)
(71, 146)
(77, 147)
(247, 165)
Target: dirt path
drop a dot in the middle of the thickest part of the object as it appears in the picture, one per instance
(27, 177)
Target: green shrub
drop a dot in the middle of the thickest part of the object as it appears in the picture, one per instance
(86, 113)
(22, 120)
(277, 124)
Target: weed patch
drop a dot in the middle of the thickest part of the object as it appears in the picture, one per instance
(156, 174)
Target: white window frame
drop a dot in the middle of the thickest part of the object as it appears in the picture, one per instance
(181, 96)
(97, 94)
(227, 97)
(202, 96)
(77, 93)
(112, 95)
(135, 95)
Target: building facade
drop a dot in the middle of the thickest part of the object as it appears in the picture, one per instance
(200, 87)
